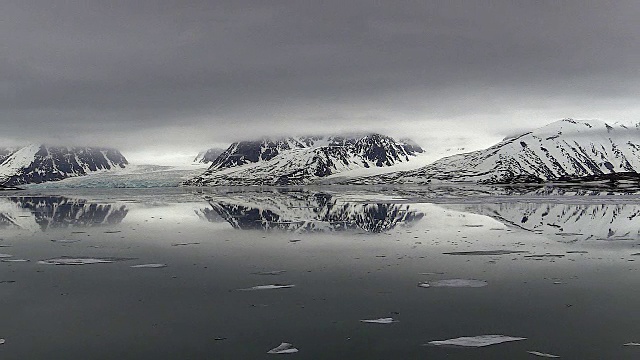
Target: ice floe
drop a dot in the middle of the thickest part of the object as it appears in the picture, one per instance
(65, 241)
(14, 260)
(283, 348)
(2, 341)
(67, 260)
(153, 266)
(632, 344)
(486, 252)
(541, 354)
(274, 272)
(475, 341)
(268, 287)
(2, 256)
(386, 320)
(471, 283)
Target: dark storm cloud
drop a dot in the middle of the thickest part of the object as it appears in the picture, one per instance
(202, 72)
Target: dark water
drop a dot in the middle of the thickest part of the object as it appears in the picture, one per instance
(562, 271)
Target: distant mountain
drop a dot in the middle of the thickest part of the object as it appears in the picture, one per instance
(561, 151)
(208, 156)
(301, 160)
(40, 163)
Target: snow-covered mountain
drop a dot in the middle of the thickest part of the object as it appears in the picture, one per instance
(208, 156)
(303, 211)
(40, 163)
(563, 150)
(301, 160)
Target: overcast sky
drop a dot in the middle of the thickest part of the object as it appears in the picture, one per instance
(170, 78)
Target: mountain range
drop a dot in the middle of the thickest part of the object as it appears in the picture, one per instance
(41, 163)
(561, 151)
(302, 160)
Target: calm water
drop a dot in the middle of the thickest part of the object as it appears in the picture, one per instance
(561, 270)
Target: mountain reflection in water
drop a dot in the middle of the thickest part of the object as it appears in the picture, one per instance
(308, 212)
(48, 212)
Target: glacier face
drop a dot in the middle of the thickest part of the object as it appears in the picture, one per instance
(563, 150)
(295, 161)
(41, 163)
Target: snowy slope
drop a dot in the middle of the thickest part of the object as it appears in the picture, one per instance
(563, 150)
(40, 163)
(5, 152)
(301, 160)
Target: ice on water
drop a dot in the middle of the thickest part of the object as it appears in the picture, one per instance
(476, 341)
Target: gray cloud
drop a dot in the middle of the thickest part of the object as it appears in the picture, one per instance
(187, 74)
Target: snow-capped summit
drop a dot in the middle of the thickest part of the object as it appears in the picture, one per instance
(564, 150)
(301, 160)
(40, 163)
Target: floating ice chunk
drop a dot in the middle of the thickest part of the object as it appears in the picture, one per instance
(2, 256)
(185, 244)
(14, 260)
(472, 283)
(632, 344)
(274, 272)
(267, 287)
(1, 341)
(486, 252)
(154, 266)
(66, 260)
(387, 320)
(475, 341)
(65, 241)
(284, 348)
(541, 354)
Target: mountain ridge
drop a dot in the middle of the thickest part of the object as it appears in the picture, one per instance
(301, 160)
(38, 163)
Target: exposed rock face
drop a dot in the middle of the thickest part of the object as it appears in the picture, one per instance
(301, 160)
(40, 163)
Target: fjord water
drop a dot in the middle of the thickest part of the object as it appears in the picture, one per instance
(557, 267)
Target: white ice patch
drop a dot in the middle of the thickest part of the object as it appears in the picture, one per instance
(284, 348)
(153, 266)
(65, 260)
(632, 344)
(470, 283)
(267, 287)
(14, 260)
(541, 354)
(380, 321)
(5, 256)
(475, 341)
(1, 341)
